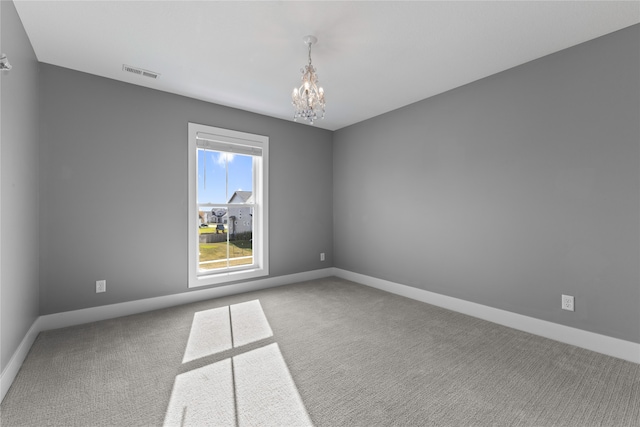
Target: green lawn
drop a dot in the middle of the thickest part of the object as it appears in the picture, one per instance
(218, 251)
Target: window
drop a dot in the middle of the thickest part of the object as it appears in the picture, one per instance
(228, 212)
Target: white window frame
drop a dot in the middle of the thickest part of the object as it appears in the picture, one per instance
(241, 141)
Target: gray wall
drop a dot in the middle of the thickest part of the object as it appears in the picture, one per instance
(114, 189)
(509, 191)
(19, 186)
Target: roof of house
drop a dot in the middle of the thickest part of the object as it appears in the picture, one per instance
(241, 197)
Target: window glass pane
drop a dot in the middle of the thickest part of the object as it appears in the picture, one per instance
(225, 232)
(212, 177)
(240, 174)
(240, 235)
(221, 174)
(227, 243)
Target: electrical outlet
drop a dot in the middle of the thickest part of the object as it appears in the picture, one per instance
(567, 302)
(101, 286)
(322, 256)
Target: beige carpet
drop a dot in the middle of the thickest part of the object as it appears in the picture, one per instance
(328, 352)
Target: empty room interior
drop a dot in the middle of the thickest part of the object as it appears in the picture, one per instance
(320, 213)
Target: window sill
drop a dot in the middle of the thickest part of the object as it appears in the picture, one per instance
(227, 277)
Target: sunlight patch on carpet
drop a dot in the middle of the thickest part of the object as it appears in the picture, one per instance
(210, 334)
(203, 397)
(252, 388)
(219, 329)
(265, 392)
(249, 323)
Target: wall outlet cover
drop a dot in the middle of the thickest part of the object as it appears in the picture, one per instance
(101, 286)
(567, 302)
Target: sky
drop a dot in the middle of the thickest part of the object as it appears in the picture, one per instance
(217, 167)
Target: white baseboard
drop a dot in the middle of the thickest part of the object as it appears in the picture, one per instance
(94, 314)
(11, 370)
(610, 346)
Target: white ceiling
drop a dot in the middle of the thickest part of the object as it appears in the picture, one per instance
(371, 57)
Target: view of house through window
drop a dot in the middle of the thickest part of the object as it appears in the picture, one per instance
(225, 209)
(228, 205)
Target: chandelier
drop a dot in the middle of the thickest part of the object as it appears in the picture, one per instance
(308, 99)
(4, 63)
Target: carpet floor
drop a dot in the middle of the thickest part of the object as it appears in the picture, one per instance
(327, 352)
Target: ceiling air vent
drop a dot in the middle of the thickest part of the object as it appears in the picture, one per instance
(140, 71)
